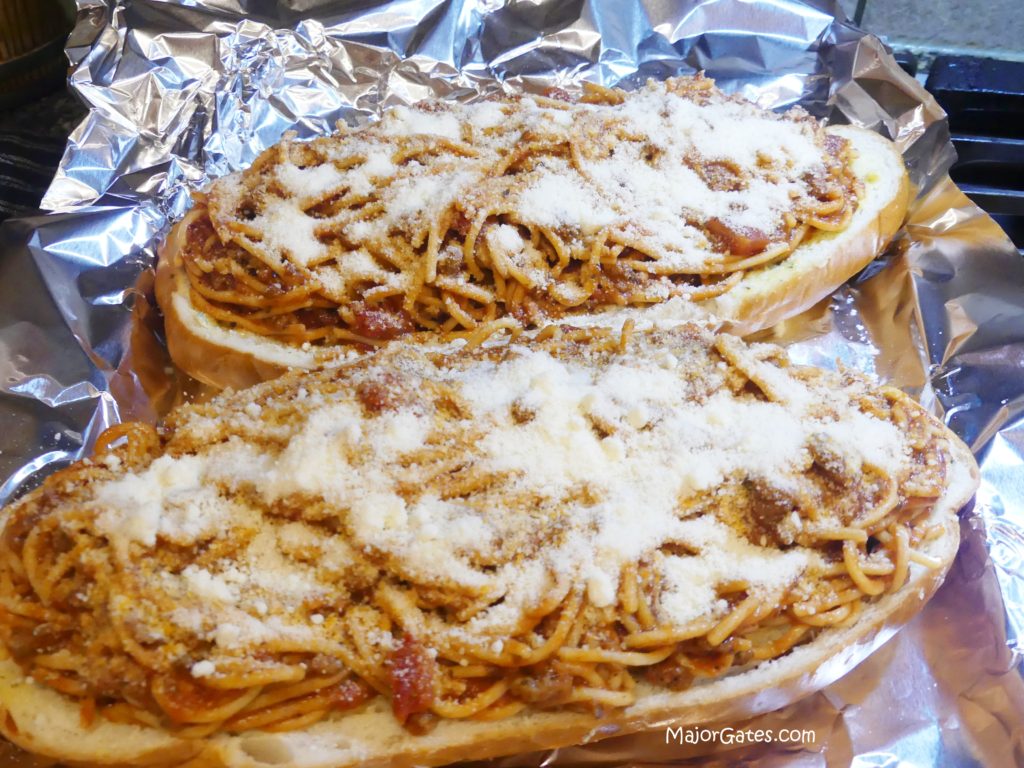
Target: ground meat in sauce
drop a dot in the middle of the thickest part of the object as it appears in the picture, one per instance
(381, 321)
(379, 394)
(350, 693)
(739, 241)
(545, 687)
(411, 676)
(670, 674)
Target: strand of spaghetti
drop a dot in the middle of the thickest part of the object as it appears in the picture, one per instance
(469, 245)
(917, 503)
(775, 621)
(185, 709)
(625, 334)
(228, 678)
(257, 307)
(877, 568)
(472, 670)
(562, 254)
(198, 731)
(59, 661)
(424, 321)
(717, 288)
(623, 680)
(500, 711)
(765, 608)
(772, 253)
(35, 565)
(297, 723)
(736, 585)
(915, 556)
(781, 644)
(828, 618)
(56, 571)
(655, 638)
(354, 338)
(462, 317)
(433, 247)
(732, 622)
(628, 598)
(554, 641)
(588, 695)
(825, 602)
(644, 614)
(851, 557)
(854, 535)
(59, 682)
(483, 332)
(740, 644)
(379, 293)
(833, 205)
(855, 609)
(142, 439)
(586, 672)
(22, 612)
(283, 692)
(468, 290)
(260, 307)
(573, 293)
(13, 568)
(886, 504)
(281, 712)
(256, 286)
(458, 710)
(518, 287)
(448, 326)
(602, 656)
(826, 225)
(121, 712)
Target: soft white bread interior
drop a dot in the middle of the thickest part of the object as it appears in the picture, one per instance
(48, 724)
(236, 358)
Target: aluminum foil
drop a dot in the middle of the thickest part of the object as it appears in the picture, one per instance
(181, 91)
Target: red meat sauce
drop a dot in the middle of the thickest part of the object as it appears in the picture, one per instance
(411, 677)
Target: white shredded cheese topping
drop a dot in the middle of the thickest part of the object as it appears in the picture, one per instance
(577, 503)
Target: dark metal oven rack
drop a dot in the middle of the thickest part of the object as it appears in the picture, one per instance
(984, 99)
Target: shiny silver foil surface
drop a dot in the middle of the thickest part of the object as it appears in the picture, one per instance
(181, 91)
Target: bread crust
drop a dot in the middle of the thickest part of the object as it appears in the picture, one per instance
(43, 721)
(203, 355)
(775, 293)
(765, 296)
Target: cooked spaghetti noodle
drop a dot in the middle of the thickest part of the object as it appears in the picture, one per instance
(446, 216)
(551, 524)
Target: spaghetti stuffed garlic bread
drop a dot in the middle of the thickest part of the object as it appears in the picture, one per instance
(445, 218)
(433, 554)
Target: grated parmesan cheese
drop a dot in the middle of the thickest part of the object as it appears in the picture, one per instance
(690, 581)
(645, 191)
(575, 467)
(203, 669)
